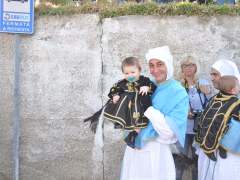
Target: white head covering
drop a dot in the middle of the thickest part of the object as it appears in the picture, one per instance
(163, 54)
(226, 68)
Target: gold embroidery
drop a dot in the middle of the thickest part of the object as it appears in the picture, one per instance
(130, 87)
(136, 116)
(221, 130)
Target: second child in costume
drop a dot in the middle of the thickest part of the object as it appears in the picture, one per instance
(229, 166)
(130, 98)
(214, 122)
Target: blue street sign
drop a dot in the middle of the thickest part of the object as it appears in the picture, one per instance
(17, 16)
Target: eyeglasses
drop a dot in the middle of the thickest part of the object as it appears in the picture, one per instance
(188, 65)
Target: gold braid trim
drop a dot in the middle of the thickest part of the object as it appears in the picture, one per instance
(221, 130)
(122, 123)
(224, 97)
(114, 119)
(197, 137)
(120, 105)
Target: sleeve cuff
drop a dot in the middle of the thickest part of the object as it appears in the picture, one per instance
(152, 113)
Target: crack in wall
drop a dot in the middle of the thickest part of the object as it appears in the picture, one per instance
(100, 24)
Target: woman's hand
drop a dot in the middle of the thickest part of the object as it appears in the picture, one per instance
(144, 90)
(115, 99)
(190, 115)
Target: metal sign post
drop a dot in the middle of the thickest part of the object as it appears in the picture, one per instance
(16, 16)
(16, 111)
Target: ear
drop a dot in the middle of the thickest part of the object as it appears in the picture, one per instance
(234, 90)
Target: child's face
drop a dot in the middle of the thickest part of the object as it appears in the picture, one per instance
(131, 73)
(236, 90)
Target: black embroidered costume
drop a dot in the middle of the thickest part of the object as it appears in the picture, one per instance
(213, 123)
(128, 112)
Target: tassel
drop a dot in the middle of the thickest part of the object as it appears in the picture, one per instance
(98, 140)
(94, 119)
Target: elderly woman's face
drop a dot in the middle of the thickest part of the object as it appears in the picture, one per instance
(189, 69)
(158, 69)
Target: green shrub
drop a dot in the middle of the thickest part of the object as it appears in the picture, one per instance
(106, 10)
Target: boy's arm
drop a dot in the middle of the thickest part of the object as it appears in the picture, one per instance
(117, 89)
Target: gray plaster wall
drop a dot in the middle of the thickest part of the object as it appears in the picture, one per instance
(61, 84)
(67, 68)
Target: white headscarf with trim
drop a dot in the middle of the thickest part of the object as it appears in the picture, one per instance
(163, 54)
(226, 68)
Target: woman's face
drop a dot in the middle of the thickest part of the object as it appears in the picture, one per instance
(189, 70)
(158, 69)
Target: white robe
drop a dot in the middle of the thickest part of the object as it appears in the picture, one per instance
(222, 169)
(154, 161)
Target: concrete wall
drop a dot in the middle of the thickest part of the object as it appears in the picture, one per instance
(6, 103)
(67, 68)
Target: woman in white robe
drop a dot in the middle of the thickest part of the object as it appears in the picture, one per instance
(168, 117)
